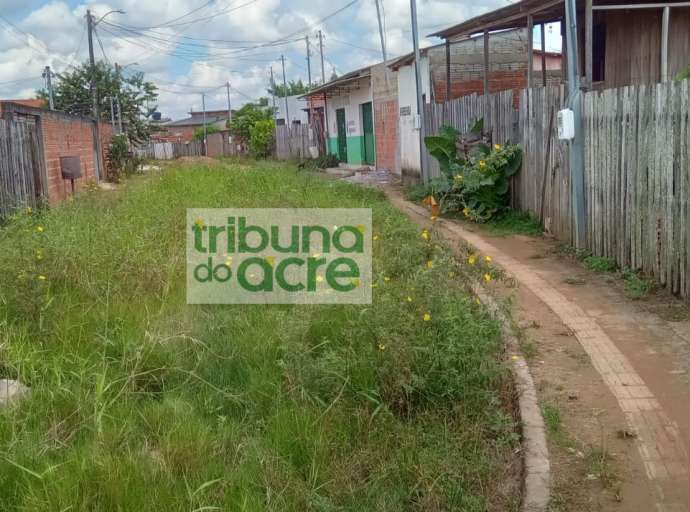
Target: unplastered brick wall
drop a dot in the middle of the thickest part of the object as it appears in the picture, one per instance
(65, 135)
(384, 82)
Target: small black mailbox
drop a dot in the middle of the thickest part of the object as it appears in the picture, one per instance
(70, 167)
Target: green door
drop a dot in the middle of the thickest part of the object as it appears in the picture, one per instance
(342, 134)
(368, 129)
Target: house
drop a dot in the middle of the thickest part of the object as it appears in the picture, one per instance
(636, 42)
(183, 129)
(456, 69)
(349, 117)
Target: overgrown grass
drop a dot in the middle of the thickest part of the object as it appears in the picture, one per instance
(140, 402)
(513, 222)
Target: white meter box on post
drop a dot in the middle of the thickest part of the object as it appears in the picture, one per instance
(566, 124)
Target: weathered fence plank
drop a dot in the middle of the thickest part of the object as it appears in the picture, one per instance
(20, 166)
(298, 141)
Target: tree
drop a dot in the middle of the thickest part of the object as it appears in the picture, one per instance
(199, 132)
(245, 118)
(292, 89)
(72, 94)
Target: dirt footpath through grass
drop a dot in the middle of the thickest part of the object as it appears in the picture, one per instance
(611, 373)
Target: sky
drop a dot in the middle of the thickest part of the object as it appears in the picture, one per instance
(187, 47)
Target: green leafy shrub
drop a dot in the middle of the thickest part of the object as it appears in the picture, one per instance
(476, 183)
(261, 138)
(199, 132)
(600, 264)
(120, 161)
(685, 74)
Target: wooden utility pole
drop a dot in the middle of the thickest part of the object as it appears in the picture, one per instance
(48, 74)
(94, 95)
(285, 92)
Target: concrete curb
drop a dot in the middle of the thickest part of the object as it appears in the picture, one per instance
(537, 477)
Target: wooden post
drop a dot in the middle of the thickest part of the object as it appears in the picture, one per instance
(664, 43)
(530, 51)
(589, 41)
(564, 52)
(448, 90)
(543, 53)
(486, 63)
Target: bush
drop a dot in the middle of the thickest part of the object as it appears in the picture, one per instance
(120, 161)
(199, 132)
(261, 138)
(477, 182)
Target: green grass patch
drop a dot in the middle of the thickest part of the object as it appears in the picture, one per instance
(140, 402)
(600, 264)
(513, 222)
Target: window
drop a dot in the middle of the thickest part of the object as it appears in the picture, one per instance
(599, 52)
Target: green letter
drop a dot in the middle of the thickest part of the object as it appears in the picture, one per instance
(280, 275)
(332, 273)
(358, 246)
(199, 237)
(206, 266)
(266, 284)
(294, 242)
(216, 275)
(213, 233)
(306, 238)
(313, 265)
(244, 230)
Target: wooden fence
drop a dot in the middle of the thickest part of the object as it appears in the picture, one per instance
(637, 175)
(21, 166)
(298, 141)
(170, 150)
(499, 114)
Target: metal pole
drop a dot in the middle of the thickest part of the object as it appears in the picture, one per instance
(666, 18)
(47, 74)
(203, 108)
(420, 99)
(94, 94)
(381, 34)
(325, 97)
(323, 70)
(306, 39)
(285, 92)
(227, 87)
(577, 147)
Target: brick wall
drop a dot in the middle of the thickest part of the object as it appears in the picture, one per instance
(70, 136)
(386, 129)
(64, 135)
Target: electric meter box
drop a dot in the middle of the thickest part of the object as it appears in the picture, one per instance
(566, 124)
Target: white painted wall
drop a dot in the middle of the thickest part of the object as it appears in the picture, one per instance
(407, 100)
(296, 106)
(351, 103)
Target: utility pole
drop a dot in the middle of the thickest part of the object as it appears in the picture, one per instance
(325, 98)
(577, 148)
(47, 74)
(112, 113)
(287, 111)
(306, 39)
(273, 93)
(203, 108)
(323, 70)
(227, 87)
(381, 34)
(420, 99)
(94, 95)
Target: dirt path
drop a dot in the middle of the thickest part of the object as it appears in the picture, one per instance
(614, 369)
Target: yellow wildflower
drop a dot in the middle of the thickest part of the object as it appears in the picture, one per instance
(478, 301)
(487, 278)
(376, 237)
(466, 211)
(430, 264)
(228, 261)
(319, 279)
(382, 347)
(316, 255)
(356, 281)
(482, 163)
(199, 222)
(409, 299)
(386, 279)
(39, 255)
(40, 229)
(472, 259)
(373, 285)
(488, 259)
(29, 210)
(515, 358)
(497, 147)
(425, 235)
(433, 218)
(41, 278)
(270, 260)
(459, 177)
(361, 228)
(427, 317)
